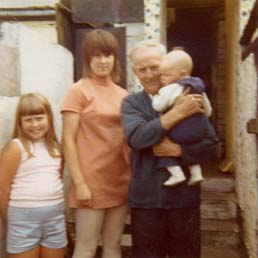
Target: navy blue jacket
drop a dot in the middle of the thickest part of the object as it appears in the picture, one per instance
(196, 84)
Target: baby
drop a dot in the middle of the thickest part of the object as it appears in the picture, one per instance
(176, 68)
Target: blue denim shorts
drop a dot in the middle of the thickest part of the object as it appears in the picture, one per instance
(29, 227)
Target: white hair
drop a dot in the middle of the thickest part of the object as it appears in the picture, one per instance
(142, 45)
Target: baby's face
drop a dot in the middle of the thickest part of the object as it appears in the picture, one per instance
(169, 73)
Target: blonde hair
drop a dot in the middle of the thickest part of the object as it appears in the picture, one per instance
(33, 104)
(144, 44)
(182, 59)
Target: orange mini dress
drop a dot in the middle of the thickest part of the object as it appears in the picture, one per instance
(102, 149)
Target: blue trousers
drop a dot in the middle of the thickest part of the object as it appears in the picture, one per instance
(190, 130)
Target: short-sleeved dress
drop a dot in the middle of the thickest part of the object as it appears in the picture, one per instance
(102, 149)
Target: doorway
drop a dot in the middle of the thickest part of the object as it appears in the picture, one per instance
(198, 28)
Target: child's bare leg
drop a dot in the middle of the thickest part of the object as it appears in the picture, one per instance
(51, 252)
(113, 227)
(88, 227)
(32, 253)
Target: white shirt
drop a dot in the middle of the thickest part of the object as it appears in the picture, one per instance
(37, 182)
(167, 95)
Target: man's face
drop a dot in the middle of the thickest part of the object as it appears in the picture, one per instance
(147, 68)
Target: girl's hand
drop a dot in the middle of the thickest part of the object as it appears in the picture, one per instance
(83, 194)
(3, 212)
(167, 148)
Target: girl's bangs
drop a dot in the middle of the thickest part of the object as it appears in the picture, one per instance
(104, 46)
(32, 107)
(101, 49)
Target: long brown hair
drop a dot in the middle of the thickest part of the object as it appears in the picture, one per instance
(33, 104)
(96, 42)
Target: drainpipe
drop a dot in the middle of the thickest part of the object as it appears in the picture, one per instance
(227, 164)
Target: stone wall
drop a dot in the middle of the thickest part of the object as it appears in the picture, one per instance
(245, 145)
(218, 74)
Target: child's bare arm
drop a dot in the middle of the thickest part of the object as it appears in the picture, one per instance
(9, 163)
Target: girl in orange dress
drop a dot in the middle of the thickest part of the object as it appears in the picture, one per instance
(95, 149)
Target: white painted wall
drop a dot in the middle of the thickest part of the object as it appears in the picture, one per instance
(245, 144)
(27, 3)
(46, 29)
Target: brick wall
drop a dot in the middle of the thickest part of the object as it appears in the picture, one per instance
(218, 74)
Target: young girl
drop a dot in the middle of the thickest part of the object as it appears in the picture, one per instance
(95, 149)
(31, 188)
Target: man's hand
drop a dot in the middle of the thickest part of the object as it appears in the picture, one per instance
(189, 104)
(185, 106)
(167, 148)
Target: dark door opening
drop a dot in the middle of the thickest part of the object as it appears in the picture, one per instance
(192, 30)
(200, 32)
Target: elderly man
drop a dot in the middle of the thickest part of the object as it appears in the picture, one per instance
(165, 221)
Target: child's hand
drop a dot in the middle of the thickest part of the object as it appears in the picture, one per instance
(3, 211)
(83, 194)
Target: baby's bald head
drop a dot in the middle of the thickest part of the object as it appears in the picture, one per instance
(176, 65)
(180, 59)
